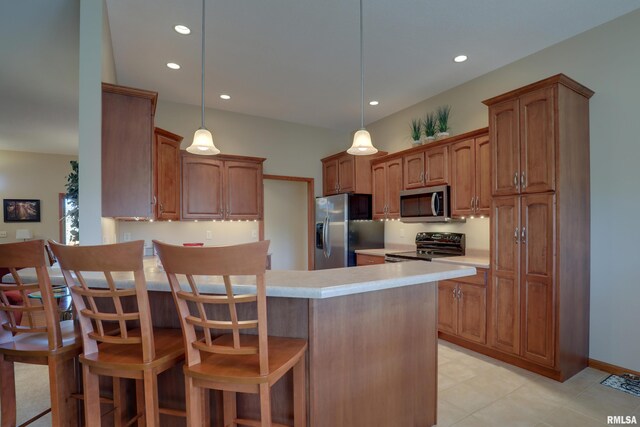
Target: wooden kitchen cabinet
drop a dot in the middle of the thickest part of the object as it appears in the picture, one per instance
(364, 259)
(387, 184)
(224, 187)
(470, 177)
(462, 307)
(523, 135)
(166, 174)
(345, 173)
(127, 161)
(540, 227)
(426, 168)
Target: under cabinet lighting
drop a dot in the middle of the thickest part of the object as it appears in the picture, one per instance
(182, 29)
(173, 65)
(374, 103)
(460, 58)
(225, 97)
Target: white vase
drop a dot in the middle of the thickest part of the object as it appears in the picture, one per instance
(441, 135)
(416, 142)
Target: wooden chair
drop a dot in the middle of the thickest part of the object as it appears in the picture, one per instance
(134, 349)
(52, 343)
(230, 362)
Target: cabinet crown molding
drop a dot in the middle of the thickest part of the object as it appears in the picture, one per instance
(557, 79)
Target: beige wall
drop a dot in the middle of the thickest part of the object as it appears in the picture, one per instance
(607, 60)
(25, 175)
(476, 232)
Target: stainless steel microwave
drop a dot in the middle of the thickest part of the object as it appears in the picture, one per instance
(429, 204)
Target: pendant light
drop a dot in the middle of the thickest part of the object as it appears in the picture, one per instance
(362, 145)
(202, 140)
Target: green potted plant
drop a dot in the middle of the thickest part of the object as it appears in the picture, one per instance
(72, 199)
(442, 114)
(416, 131)
(429, 124)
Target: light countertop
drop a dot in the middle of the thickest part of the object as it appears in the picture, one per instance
(474, 257)
(300, 284)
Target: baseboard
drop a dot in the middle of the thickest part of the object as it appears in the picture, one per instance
(612, 369)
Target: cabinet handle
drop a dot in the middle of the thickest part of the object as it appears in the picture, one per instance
(515, 180)
(455, 292)
(472, 201)
(421, 176)
(515, 235)
(154, 201)
(523, 181)
(459, 293)
(161, 208)
(523, 238)
(426, 176)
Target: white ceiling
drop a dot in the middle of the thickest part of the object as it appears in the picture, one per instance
(292, 60)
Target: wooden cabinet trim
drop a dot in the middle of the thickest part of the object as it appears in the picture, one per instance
(557, 79)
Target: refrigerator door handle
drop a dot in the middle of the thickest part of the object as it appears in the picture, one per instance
(327, 238)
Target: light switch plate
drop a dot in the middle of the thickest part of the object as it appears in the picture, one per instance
(254, 233)
(402, 232)
(209, 235)
(3, 234)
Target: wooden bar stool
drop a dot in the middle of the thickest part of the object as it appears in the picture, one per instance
(230, 362)
(39, 338)
(134, 349)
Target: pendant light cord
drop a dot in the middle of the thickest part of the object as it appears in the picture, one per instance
(361, 71)
(202, 116)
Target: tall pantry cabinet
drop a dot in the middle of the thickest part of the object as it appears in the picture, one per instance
(540, 259)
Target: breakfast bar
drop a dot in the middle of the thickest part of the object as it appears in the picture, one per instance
(372, 334)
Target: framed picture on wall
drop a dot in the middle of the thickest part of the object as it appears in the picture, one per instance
(21, 210)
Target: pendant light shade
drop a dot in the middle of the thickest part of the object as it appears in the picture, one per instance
(202, 140)
(362, 145)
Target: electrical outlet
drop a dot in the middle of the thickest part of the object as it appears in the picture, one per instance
(254, 234)
(209, 235)
(402, 232)
(3, 234)
(126, 237)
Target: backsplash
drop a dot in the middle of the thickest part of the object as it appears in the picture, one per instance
(178, 232)
(476, 232)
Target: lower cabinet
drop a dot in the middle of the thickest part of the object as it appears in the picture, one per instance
(364, 259)
(462, 307)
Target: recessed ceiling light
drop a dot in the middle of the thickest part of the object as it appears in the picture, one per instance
(182, 29)
(225, 97)
(373, 103)
(460, 58)
(173, 65)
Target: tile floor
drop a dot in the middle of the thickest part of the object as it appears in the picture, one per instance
(478, 391)
(473, 391)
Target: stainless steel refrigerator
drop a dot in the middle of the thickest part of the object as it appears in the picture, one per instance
(344, 224)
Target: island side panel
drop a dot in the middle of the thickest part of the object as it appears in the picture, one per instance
(373, 358)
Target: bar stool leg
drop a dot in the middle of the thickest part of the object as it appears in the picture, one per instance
(196, 414)
(91, 397)
(61, 383)
(265, 405)
(299, 394)
(140, 402)
(152, 415)
(7, 393)
(229, 408)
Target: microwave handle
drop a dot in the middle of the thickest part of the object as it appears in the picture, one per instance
(434, 199)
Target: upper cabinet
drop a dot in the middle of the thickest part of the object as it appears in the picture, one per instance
(427, 167)
(387, 184)
(470, 176)
(127, 138)
(166, 174)
(523, 135)
(345, 173)
(222, 187)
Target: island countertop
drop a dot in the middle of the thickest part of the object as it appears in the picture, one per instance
(315, 284)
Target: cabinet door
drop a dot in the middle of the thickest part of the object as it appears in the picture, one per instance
(167, 175)
(414, 171)
(472, 312)
(436, 169)
(202, 188)
(127, 137)
(504, 322)
(463, 178)
(346, 174)
(537, 142)
(537, 245)
(243, 186)
(379, 197)
(447, 307)
(505, 149)
(483, 175)
(329, 177)
(394, 186)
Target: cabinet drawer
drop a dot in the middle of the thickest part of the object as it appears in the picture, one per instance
(363, 259)
(480, 278)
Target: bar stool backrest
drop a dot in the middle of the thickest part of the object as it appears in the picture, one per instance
(14, 257)
(194, 306)
(124, 302)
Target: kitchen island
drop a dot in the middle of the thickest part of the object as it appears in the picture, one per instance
(372, 334)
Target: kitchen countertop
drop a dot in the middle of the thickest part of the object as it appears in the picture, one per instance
(386, 250)
(316, 284)
(474, 257)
